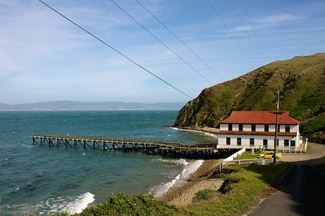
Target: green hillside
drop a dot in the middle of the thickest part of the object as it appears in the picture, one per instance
(301, 78)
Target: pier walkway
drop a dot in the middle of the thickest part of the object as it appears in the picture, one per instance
(171, 148)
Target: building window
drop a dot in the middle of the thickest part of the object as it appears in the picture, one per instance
(287, 128)
(265, 143)
(230, 127)
(251, 142)
(286, 143)
(240, 127)
(253, 127)
(293, 143)
(266, 128)
(277, 142)
(238, 141)
(228, 141)
(278, 128)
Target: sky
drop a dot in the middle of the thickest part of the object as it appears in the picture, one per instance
(43, 57)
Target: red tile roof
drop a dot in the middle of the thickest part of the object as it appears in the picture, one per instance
(259, 117)
(258, 133)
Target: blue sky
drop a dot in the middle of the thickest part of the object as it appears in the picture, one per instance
(44, 58)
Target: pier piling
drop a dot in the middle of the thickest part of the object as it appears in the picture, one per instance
(170, 148)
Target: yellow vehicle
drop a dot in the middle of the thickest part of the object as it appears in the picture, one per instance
(269, 154)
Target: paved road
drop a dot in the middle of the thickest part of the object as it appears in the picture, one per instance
(302, 193)
(316, 156)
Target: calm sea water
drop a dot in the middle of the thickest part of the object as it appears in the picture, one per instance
(45, 179)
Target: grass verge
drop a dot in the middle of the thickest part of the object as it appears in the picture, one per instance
(248, 155)
(204, 194)
(252, 181)
(308, 149)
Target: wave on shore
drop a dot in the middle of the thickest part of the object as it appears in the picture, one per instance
(178, 180)
(177, 161)
(71, 205)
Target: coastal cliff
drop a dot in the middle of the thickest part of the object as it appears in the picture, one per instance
(302, 80)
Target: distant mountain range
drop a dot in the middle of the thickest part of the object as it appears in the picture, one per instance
(79, 105)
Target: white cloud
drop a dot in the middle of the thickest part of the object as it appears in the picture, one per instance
(275, 19)
(266, 22)
(241, 28)
(28, 35)
(44, 56)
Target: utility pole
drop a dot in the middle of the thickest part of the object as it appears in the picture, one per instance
(276, 127)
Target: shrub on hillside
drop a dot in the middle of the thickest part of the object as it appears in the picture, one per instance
(140, 204)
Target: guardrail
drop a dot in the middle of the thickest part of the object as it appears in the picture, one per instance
(231, 157)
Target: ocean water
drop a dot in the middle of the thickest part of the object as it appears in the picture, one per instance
(45, 179)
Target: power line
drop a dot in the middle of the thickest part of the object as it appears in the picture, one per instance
(106, 44)
(249, 20)
(142, 26)
(242, 22)
(231, 35)
(180, 40)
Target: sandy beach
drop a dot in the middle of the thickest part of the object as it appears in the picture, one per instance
(184, 194)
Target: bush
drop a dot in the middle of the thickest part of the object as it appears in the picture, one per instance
(204, 194)
(312, 126)
(121, 204)
(222, 175)
(318, 137)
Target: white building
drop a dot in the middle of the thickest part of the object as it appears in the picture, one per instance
(256, 129)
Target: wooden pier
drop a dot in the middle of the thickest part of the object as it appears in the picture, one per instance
(167, 148)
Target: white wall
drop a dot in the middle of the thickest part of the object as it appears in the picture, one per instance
(294, 128)
(271, 128)
(247, 127)
(259, 127)
(223, 127)
(245, 140)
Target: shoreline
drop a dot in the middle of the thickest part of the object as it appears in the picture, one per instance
(198, 129)
(188, 185)
(189, 168)
(183, 194)
(212, 132)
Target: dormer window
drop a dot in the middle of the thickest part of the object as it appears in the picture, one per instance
(240, 127)
(229, 127)
(266, 128)
(287, 128)
(253, 127)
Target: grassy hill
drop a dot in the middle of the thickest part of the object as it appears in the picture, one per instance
(302, 80)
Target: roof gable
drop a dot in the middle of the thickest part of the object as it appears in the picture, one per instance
(259, 117)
